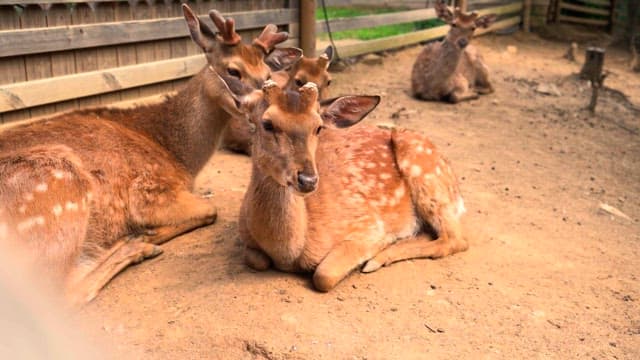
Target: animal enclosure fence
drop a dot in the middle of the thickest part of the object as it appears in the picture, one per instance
(57, 55)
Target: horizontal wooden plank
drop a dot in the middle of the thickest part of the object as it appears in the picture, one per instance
(392, 42)
(585, 9)
(359, 22)
(40, 40)
(39, 92)
(603, 3)
(580, 20)
(502, 10)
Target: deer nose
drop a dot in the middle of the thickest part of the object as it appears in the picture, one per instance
(463, 43)
(307, 183)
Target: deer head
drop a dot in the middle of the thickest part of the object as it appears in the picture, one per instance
(462, 24)
(289, 125)
(313, 70)
(228, 55)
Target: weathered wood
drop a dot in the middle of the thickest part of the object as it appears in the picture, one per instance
(39, 2)
(20, 42)
(86, 59)
(308, 27)
(593, 63)
(603, 3)
(392, 42)
(37, 66)
(63, 62)
(526, 16)
(585, 9)
(341, 24)
(33, 93)
(107, 55)
(580, 20)
(502, 10)
(498, 25)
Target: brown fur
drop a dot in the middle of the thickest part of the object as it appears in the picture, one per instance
(376, 190)
(89, 192)
(452, 70)
(315, 70)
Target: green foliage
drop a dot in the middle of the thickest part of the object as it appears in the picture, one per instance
(373, 32)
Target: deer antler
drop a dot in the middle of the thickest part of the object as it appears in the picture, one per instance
(270, 37)
(227, 28)
(271, 91)
(308, 96)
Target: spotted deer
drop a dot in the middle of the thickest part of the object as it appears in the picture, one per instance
(452, 70)
(315, 70)
(326, 198)
(89, 192)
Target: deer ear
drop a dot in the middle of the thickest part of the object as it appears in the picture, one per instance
(346, 111)
(200, 33)
(486, 20)
(443, 12)
(232, 95)
(281, 58)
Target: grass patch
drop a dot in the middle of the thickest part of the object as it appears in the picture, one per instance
(372, 32)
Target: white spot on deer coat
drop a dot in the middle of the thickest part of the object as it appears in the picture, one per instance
(29, 223)
(70, 205)
(22, 209)
(428, 151)
(42, 187)
(399, 192)
(384, 176)
(438, 171)
(404, 164)
(58, 174)
(28, 196)
(415, 170)
(57, 210)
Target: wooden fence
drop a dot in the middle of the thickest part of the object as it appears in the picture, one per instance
(588, 12)
(57, 55)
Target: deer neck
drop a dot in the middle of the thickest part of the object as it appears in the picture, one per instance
(189, 124)
(280, 217)
(449, 58)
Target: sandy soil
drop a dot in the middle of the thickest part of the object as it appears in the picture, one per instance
(548, 274)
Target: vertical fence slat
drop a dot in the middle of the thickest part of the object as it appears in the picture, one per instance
(63, 62)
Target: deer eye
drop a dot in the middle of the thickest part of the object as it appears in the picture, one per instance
(267, 125)
(300, 83)
(233, 72)
(319, 129)
(454, 25)
(328, 82)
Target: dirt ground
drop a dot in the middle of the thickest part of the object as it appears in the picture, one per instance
(548, 273)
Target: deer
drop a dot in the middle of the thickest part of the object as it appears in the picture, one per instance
(315, 70)
(87, 193)
(452, 70)
(326, 197)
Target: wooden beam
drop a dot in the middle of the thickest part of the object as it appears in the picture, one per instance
(308, 27)
(391, 42)
(359, 22)
(501, 10)
(580, 20)
(40, 40)
(603, 3)
(39, 92)
(526, 16)
(585, 9)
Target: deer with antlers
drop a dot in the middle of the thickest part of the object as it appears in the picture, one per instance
(315, 70)
(326, 198)
(89, 192)
(452, 70)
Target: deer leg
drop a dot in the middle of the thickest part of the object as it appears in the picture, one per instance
(449, 241)
(87, 284)
(482, 84)
(344, 258)
(256, 259)
(187, 212)
(459, 95)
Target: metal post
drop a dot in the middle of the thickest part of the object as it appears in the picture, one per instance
(308, 27)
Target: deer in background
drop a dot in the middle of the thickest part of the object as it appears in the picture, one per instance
(89, 192)
(326, 198)
(452, 70)
(315, 70)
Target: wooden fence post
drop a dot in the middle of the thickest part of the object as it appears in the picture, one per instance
(462, 4)
(526, 16)
(308, 27)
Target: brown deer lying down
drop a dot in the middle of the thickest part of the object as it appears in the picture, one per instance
(315, 70)
(452, 70)
(326, 199)
(89, 192)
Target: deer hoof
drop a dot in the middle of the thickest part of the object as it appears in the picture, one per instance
(324, 283)
(371, 266)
